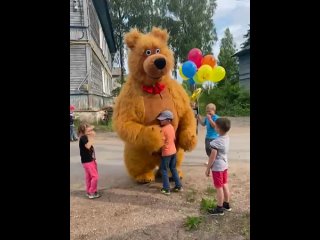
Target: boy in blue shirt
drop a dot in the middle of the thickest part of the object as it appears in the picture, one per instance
(210, 124)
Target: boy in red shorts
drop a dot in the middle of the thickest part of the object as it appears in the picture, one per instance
(218, 164)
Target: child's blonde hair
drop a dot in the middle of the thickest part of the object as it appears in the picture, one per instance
(82, 128)
(211, 106)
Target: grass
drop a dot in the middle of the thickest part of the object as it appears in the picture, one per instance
(210, 191)
(192, 223)
(245, 231)
(207, 204)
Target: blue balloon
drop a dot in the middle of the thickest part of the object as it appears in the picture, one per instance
(191, 81)
(189, 69)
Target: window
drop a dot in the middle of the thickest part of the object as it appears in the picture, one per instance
(101, 37)
(102, 41)
(104, 87)
(106, 54)
(108, 84)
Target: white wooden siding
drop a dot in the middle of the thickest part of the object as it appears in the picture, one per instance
(78, 65)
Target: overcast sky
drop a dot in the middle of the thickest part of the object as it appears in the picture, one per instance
(234, 14)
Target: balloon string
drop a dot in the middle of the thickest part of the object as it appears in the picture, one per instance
(198, 102)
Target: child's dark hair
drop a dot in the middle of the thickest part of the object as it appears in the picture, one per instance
(224, 124)
(82, 128)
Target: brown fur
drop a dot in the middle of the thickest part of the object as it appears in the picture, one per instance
(135, 111)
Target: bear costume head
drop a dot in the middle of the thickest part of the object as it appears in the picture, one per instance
(149, 58)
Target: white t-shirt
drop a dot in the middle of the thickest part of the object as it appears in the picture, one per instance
(221, 144)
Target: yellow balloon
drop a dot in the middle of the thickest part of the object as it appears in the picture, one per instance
(181, 74)
(218, 74)
(195, 77)
(204, 73)
(196, 94)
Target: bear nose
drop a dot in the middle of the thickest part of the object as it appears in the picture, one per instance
(160, 63)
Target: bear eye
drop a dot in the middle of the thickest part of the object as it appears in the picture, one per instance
(148, 52)
(157, 50)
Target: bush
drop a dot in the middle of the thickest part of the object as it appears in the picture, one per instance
(103, 126)
(99, 127)
(229, 98)
(76, 123)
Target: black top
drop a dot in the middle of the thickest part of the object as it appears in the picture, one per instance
(87, 155)
(71, 119)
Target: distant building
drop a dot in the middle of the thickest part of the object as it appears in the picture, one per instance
(116, 74)
(244, 67)
(91, 45)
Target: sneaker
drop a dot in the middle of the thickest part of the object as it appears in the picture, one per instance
(226, 206)
(178, 189)
(94, 195)
(216, 211)
(87, 194)
(165, 191)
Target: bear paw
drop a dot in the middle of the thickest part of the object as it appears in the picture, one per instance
(187, 140)
(152, 138)
(145, 178)
(180, 173)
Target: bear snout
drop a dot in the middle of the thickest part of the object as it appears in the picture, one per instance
(160, 63)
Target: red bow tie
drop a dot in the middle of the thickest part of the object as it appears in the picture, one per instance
(156, 89)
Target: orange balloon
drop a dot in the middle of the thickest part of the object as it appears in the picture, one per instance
(209, 60)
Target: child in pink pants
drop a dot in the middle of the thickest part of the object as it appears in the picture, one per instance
(88, 159)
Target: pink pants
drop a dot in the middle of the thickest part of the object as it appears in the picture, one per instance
(91, 172)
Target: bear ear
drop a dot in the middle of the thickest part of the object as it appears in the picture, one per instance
(162, 34)
(131, 37)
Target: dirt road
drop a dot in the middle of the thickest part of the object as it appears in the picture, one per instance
(130, 211)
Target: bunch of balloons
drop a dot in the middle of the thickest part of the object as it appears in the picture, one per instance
(199, 69)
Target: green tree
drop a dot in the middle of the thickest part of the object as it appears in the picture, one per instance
(226, 59)
(127, 14)
(119, 12)
(140, 14)
(189, 23)
(246, 43)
